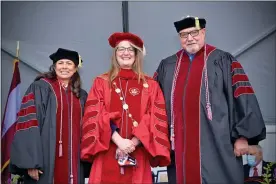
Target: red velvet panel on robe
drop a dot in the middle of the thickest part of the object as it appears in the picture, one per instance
(63, 164)
(103, 105)
(187, 117)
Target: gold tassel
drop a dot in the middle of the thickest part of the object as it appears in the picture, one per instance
(197, 23)
(71, 179)
(80, 64)
(122, 171)
(60, 149)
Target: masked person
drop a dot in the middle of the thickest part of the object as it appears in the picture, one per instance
(257, 170)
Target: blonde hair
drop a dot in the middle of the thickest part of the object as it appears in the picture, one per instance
(137, 66)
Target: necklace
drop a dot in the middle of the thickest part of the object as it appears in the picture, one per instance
(124, 104)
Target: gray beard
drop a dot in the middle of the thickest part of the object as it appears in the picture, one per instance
(192, 50)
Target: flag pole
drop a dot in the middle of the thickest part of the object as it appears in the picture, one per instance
(9, 119)
(17, 50)
(17, 55)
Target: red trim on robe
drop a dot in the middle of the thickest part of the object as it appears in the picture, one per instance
(27, 111)
(92, 114)
(239, 78)
(88, 127)
(192, 123)
(163, 142)
(160, 106)
(187, 131)
(161, 117)
(161, 129)
(236, 78)
(91, 102)
(62, 164)
(89, 140)
(178, 117)
(235, 65)
(28, 97)
(26, 125)
(243, 90)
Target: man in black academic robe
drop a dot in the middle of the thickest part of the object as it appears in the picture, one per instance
(212, 109)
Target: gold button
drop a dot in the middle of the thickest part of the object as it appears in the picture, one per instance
(117, 90)
(135, 123)
(145, 85)
(125, 106)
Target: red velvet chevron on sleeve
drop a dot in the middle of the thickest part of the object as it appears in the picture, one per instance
(27, 114)
(240, 81)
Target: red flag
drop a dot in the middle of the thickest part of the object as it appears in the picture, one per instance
(8, 122)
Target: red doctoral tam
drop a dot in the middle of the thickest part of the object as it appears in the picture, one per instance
(117, 37)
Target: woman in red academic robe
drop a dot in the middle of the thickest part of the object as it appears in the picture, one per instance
(125, 118)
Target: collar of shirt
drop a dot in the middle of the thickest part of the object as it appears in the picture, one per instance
(191, 56)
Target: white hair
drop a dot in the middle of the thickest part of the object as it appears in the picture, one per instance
(259, 148)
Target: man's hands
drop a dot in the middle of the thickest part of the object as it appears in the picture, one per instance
(34, 173)
(241, 147)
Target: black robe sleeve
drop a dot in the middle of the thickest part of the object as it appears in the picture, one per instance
(158, 74)
(26, 148)
(246, 118)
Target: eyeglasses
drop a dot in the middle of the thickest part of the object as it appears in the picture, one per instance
(186, 34)
(123, 49)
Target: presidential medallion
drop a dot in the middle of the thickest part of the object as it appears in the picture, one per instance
(134, 91)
